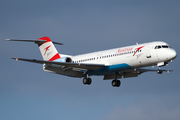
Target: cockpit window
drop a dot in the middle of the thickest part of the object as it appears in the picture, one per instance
(165, 46)
(159, 47)
(162, 46)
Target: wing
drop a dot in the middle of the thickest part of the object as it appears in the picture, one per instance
(76, 65)
(131, 73)
(151, 70)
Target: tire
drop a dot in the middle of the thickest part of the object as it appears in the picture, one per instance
(118, 83)
(114, 83)
(159, 71)
(89, 81)
(85, 81)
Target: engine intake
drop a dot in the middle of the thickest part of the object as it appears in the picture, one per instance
(68, 59)
(65, 59)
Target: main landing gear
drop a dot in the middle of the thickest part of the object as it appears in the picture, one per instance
(87, 81)
(116, 83)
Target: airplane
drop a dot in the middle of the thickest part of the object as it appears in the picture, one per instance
(117, 63)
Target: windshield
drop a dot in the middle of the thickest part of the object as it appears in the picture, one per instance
(162, 46)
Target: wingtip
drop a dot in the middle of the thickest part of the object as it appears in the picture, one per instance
(7, 39)
(15, 59)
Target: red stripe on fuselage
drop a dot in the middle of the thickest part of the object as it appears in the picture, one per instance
(57, 56)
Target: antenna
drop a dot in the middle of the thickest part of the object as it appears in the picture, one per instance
(137, 43)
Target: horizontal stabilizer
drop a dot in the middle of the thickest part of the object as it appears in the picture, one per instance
(35, 41)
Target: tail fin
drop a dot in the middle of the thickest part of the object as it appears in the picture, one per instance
(46, 46)
(48, 49)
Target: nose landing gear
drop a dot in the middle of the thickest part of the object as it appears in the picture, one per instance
(159, 71)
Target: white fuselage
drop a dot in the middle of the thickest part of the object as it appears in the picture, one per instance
(130, 57)
(146, 56)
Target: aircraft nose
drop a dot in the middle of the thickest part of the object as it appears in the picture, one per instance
(172, 54)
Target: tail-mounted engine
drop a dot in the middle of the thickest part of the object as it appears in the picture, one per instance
(65, 59)
(48, 67)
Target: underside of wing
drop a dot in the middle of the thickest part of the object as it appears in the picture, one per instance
(122, 75)
(65, 64)
(153, 70)
(131, 73)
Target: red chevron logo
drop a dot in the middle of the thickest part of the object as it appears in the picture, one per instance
(137, 49)
(46, 49)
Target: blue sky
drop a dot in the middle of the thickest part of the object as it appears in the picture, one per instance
(27, 92)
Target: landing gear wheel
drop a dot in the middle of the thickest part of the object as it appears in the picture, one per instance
(159, 71)
(116, 83)
(87, 81)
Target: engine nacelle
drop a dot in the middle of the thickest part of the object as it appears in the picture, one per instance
(65, 59)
